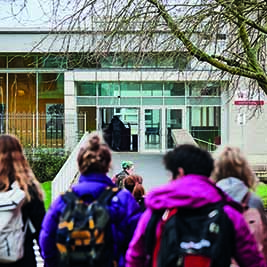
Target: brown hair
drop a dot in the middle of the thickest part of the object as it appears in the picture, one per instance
(133, 183)
(232, 163)
(15, 167)
(94, 156)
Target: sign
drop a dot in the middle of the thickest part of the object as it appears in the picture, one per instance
(247, 97)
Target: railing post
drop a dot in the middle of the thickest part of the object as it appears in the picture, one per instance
(33, 130)
(85, 126)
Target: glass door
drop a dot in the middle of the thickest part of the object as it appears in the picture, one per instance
(153, 129)
(174, 120)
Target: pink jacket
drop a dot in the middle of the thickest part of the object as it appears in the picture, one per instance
(193, 191)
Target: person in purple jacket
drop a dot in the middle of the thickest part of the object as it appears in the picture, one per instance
(190, 187)
(94, 160)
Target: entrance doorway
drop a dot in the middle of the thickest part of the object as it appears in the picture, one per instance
(153, 129)
(157, 127)
(128, 139)
(174, 120)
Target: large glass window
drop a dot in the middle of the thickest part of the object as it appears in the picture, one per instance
(51, 109)
(130, 89)
(108, 89)
(3, 62)
(152, 89)
(174, 89)
(204, 88)
(86, 89)
(52, 61)
(25, 61)
(205, 126)
(22, 93)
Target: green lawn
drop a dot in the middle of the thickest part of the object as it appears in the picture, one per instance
(261, 191)
(47, 193)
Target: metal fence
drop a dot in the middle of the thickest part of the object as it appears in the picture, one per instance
(40, 129)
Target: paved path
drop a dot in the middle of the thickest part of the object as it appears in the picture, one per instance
(149, 166)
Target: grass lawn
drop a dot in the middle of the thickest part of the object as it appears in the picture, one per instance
(47, 193)
(261, 191)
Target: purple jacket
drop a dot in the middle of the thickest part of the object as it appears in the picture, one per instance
(124, 212)
(193, 191)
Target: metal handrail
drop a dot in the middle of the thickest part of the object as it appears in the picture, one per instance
(206, 142)
(68, 172)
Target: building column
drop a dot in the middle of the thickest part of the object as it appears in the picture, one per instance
(71, 131)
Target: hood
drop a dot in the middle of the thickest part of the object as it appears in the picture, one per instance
(92, 184)
(234, 187)
(189, 191)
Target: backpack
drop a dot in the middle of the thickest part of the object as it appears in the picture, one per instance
(84, 236)
(253, 218)
(119, 179)
(12, 230)
(199, 237)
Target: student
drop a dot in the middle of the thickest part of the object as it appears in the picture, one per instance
(15, 175)
(190, 191)
(133, 183)
(127, 169)
(234, 176)
(94, 161)
(116, 127)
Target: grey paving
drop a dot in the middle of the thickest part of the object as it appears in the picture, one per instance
(149, 166)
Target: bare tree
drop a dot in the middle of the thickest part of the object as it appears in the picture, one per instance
(229, 35)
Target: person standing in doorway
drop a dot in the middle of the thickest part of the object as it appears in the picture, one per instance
(116, 127)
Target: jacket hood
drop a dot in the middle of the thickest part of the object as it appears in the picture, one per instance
(234, 187)
(92, 183)
(191, 191)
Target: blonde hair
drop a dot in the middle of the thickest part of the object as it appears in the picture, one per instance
(15, 167)
(232, 163)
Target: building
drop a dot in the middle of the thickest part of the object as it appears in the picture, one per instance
(50, 98)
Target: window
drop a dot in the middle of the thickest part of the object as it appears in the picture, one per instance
(204, 89)
(86, 89)
(152, 89)
(174, 89)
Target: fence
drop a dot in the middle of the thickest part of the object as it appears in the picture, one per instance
(40, 129)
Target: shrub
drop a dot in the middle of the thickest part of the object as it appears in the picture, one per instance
(46, 163)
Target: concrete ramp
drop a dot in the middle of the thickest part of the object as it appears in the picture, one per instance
(182, 136)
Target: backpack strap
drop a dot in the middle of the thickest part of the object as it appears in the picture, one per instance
(106, 196)
(150, 232)
(69, 197)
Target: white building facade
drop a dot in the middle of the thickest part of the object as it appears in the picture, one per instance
(47, 100)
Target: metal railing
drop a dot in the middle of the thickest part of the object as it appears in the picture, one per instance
(206, 145)
(68, 172)
(40, 129)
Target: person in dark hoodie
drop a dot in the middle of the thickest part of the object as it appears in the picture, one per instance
(116, 127)
(191, 188)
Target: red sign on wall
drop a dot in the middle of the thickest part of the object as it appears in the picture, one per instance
(246, 97)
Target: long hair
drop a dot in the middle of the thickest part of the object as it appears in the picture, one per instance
(15, 167)
(133, 183)
(232, 163)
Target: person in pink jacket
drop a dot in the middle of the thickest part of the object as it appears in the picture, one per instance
(190, 187)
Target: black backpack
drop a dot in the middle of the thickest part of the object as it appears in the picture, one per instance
(84, 235)
(199, 237)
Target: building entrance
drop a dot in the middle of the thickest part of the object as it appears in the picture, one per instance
(120, 127)
(143, 129)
